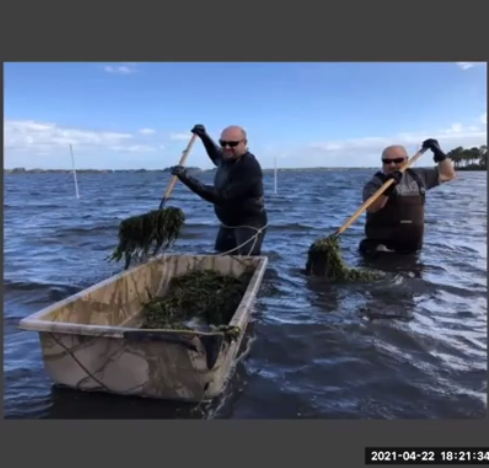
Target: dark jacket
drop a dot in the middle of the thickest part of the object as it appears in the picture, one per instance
(237, 193)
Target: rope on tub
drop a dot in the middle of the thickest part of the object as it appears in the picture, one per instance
(254, 238)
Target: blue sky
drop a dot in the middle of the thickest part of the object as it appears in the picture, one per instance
(138, 115)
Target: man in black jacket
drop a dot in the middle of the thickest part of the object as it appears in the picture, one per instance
(237, 193)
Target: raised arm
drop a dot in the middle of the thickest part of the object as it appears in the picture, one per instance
(212, 149)
(235, 191)
(444, 170)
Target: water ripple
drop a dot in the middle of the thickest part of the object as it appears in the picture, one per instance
(318, 351)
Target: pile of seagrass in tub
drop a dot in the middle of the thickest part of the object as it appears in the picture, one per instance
(204, 295)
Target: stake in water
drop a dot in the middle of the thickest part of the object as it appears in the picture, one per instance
(74, 173)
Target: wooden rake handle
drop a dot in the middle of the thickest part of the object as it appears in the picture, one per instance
(174, 179)
(377, 194)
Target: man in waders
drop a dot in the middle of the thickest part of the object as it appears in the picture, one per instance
(237, 193)
(395, 221)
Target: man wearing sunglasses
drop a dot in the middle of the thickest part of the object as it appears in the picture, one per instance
(395, 221)
(237, 193)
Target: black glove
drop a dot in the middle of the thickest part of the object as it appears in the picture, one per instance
(178, 171)
(198, 130)
(434, 146)
(396, 177)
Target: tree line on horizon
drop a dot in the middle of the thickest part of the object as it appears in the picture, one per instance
(468, 158)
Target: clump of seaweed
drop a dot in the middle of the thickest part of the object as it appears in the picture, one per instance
(203, 294)
(324, 259)
(155, 230)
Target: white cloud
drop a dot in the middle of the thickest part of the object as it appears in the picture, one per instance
(366, 151)
(180, 136)
(121, 69)
(42, 138)
(29, 143)
(137, 148)
(147, 131)
(133, 148)
(467, 65)
(31, 134)
(454, 128)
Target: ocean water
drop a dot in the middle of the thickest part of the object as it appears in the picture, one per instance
(411, 346)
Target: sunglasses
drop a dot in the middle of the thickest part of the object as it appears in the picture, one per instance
(231, 144)
(395, 161)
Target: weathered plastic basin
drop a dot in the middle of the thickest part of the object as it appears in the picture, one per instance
(91, 341)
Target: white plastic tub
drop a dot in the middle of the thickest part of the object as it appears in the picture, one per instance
(91, 341)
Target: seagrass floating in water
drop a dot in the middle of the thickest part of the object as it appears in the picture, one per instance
(325, 260)
(152, 231)
(324, 256)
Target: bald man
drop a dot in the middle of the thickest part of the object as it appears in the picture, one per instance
(237, 193)
(395, 221)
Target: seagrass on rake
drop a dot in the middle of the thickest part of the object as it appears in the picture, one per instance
(153, 231)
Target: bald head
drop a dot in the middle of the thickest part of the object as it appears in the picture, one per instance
(393, 157)
(233, 132)
(234, 141)
(394, 151)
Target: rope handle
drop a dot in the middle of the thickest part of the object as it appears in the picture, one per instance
(377, 194)
(174, 179)
(253, 238)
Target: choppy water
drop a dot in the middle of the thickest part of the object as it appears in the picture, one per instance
(313, 353)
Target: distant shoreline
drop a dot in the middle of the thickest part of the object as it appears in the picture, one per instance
(464, 159)
(471, 168)
(198, 170)
(191, 169)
